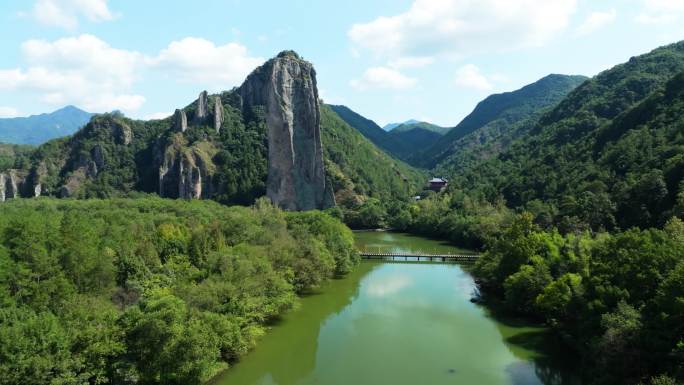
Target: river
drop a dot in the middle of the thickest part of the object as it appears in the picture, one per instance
(400, 323)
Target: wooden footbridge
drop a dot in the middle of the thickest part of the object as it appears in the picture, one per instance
(418, 257)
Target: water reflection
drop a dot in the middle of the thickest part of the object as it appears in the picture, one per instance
(397, 324)
(389, 285)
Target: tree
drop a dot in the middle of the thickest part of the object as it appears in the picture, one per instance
(167, 345)
(34, 349)
(522, 288)
(88, 266)
(618, 351)
(561, 297)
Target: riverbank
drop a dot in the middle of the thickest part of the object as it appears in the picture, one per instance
(416, 317)
(156, 290)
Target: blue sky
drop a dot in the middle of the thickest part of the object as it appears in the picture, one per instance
(390, 60)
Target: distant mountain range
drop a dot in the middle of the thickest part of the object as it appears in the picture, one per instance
(491, 127)
(399, 139)
(414, 124)
(392, 126)
(38, 129)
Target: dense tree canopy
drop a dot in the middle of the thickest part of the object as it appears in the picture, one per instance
(612, 296)
(150, 291)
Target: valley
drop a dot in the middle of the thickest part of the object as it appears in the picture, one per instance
(215, 245)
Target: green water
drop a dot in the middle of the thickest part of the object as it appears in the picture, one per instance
(396, 323)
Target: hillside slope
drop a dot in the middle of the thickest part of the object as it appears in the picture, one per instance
(358, 168)
(401, 140)
(417, 136)
(498, 119)
(610, 154)
(371, 131)
(412, 125)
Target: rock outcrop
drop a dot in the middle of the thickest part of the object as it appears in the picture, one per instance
(35, 179)
(10, 185)
(218, 114)
(286, 87)
(97, 154)
(122, 133)
(202, 103)
(180, 121)
(186, 172)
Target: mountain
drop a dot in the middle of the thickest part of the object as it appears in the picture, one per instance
(267, 137)
(372, 131)
(414, 124)
(38, 129)
(402, 141)
(417, 136)
(493, 125)
(496, 121)
(392, 126)
(610, 154)
(358, 168)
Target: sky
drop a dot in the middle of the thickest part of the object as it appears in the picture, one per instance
(389, 60)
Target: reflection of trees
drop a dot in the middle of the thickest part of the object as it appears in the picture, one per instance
(288, 354)
(553, 363)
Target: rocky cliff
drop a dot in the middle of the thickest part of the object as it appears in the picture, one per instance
(185, 170)
(10, 184)
(286, 87)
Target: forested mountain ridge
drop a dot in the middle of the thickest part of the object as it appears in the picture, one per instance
(371, 131)
(401, 141)
(358, 169)
(390, 126)
(413, 124)
(417, 136)
(610, 154)
(496, 121)
(38, 129)
(218, 147)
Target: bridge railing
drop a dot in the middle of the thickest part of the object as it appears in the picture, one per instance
(392, 256)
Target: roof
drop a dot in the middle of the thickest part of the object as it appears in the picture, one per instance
(437, 180)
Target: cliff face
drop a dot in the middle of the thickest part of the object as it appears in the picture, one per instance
(286, 88)
(186, 171)
(10, 185)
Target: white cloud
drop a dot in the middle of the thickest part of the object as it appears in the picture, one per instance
(596, 21)
(470, 76)
(383, 77)
(385, 286)
(463, 27)
(660, 11)
(82, 70)
(8, 112)
(10, 79)
(196, 60)
(88, 72)
(66, 13)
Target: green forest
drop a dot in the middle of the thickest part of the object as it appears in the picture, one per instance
(571, 189)
(616, 299)
(151, 291)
